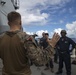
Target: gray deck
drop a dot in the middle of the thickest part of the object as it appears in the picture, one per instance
(41, 71)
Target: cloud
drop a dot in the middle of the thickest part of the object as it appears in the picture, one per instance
(71, 29)
(58, 30)
(34, 18)
(31, 10)
(31, 17)
(30, 33)
(39, 33)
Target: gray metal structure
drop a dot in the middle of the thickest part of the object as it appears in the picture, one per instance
(6, 6)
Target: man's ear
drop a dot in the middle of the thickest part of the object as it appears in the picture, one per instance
(9, 23)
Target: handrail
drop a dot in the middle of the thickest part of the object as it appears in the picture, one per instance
(3, 12)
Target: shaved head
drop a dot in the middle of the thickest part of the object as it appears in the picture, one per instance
(14, 20)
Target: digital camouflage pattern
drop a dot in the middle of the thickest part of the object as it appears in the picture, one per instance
(37, 55)
(17, 48)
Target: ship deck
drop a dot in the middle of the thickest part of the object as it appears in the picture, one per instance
(40, 70)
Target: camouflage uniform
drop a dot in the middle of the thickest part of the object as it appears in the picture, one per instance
(31, 51)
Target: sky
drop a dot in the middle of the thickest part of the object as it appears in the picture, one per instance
(48, 16)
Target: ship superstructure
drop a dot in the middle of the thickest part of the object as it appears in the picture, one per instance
(6, 6)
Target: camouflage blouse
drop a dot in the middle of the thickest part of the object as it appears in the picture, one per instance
(37, 55)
